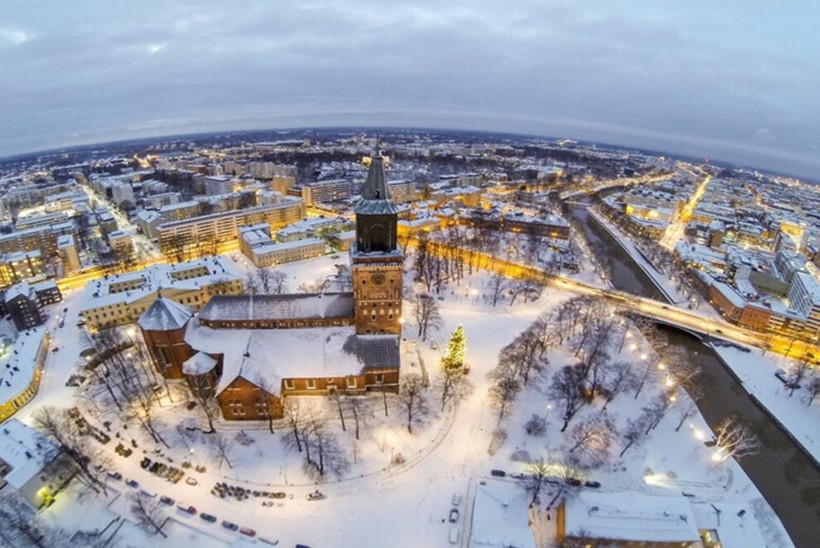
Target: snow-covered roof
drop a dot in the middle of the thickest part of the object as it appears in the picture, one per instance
(630, 516)
(198, 364)
(25, 450)
(376, 207)
(276, 354)
(278, 307)
(501, 515)
(213, 269)
(18, 364)
(17, 290)
(164, 315)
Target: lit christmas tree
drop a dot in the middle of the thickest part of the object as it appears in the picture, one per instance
(454, 358)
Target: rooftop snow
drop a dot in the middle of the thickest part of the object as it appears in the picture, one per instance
(630, 516)
(198, 364)
(276, 354)
(278, 307)
(500, 516)
(164, 314)
(25, 450)
(17, 365)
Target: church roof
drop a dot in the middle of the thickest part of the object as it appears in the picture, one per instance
(375, 192)
(165, 315)
(278, 307)
(271, 355)
(198, 364)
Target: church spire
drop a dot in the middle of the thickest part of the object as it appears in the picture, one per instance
(375, 186)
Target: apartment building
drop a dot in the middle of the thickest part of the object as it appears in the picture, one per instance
(326, 191)
(204, 235)
(120, 299)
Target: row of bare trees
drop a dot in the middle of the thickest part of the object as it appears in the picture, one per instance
(123, 366)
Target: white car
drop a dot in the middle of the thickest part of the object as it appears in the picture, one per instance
(456, 499)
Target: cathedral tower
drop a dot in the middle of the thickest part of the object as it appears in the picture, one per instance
(377, 265)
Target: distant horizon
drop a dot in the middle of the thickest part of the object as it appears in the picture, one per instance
(375, 128)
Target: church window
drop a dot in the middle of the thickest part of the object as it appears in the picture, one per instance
(311, 384)
(289, 384)
(379, 379)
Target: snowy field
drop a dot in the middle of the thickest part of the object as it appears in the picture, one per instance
(399, 486)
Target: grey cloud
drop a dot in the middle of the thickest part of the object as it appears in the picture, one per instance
(697, 77)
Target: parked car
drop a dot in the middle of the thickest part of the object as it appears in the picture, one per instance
(316, 495)
(498, 473)
(454, 535)
(187, 509)
(573, 481)
(166, 500)
(132, 483)
(115, 475)
(191, 481)
(208, 517)
(247, 531)
(457, 499)
(230, 525)
(593, 484)
(453, 517)
(191, 405)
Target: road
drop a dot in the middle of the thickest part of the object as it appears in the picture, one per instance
(674, 232)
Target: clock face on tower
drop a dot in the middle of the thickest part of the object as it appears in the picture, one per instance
(377, 278)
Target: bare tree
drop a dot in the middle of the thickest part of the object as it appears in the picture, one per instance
(535, 479)
(525, 355)
(294, 419)
(265, 398)
(412, 400)
(634, 433)
(734, 439)
(324, 453)
(657, 408)
(338, 403)
(358, 408)
(648, 372)
(149, 513)
(504, 389)
(251, 286)
(222, 448)
(56, 424)
(278, 281)
(593, 439)
(566, 389)
(497, 286)
(453, 385)
(798, 372)
(813, 388)
(264, 278)
(696, 393)
(618, 376)
(23, 528)
(427, 315)
(536, 426)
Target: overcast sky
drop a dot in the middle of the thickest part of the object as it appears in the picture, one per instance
(732, 80)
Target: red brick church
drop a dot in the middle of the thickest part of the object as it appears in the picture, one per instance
(252, 351)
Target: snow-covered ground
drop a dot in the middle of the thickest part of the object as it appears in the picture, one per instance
(399, 487)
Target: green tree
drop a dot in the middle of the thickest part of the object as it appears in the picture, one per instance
(454, 357)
